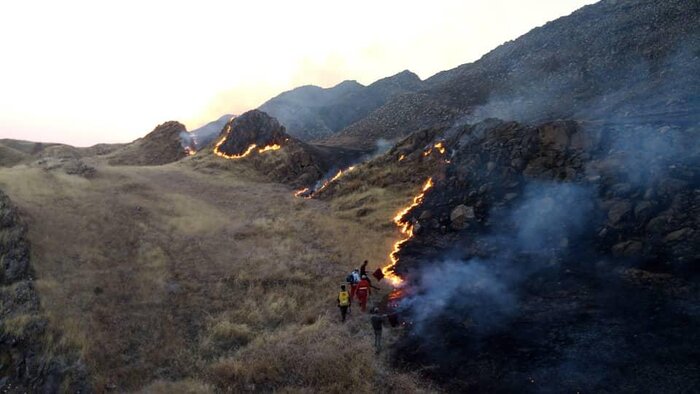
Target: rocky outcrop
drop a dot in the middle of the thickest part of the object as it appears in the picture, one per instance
(252, 128)
(29, 361)
(161, 146)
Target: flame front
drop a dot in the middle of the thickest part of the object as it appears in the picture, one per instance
(247, 152)
(335, 178)
(269, 148)
(406, 228)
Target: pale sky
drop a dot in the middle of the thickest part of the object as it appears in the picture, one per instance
(85, 72)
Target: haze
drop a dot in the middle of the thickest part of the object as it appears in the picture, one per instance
(85, 72)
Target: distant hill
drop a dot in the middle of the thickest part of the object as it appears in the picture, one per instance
(620, 61)
(311, 112)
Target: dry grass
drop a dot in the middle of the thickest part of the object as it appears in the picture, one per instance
(187, 386)
(169, 279)
(18, 325)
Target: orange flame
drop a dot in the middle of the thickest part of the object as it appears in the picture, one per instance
(247, 152)
(300, 193)
(335, 178)
(439, 146)
(406, 228)
(402, 157)
(269, 148)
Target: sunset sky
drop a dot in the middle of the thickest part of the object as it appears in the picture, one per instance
(84, 72)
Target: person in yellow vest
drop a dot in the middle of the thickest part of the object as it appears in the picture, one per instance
(343, 302)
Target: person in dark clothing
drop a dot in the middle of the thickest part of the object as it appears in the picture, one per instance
(343, 302)
(363, 274)
(363, 269)
(377, 321)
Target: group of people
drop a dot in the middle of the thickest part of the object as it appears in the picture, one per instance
(359, 286)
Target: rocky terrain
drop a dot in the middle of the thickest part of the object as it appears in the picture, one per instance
(555, 257)
(311, 112)
(617, 61)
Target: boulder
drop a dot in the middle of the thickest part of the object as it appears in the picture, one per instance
(627, 249)
(460, 216)
(678, 235)
(618, 212)
(642, 211)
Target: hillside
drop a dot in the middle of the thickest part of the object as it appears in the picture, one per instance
(535, 227)
(621, 61)
(310, 112)
(194, 278)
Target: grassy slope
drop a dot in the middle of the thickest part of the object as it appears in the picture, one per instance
(172, 279)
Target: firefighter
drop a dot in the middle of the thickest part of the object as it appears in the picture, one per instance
(343, 302)
(377, 321)
(364, 290)
(363, 273)
(363, 268)
(353, 279)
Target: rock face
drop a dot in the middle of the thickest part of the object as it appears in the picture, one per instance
(616, 61)
(311, 113)
(28, 364)
(161, 146)
(253, 127)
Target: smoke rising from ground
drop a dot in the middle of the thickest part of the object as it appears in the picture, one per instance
(528, 237)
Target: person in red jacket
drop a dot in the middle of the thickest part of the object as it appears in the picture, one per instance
(364, 290)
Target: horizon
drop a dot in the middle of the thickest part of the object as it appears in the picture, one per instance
(111, 73)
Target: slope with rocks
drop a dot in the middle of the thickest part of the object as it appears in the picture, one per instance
(621, 61)
(310, 112)
(551, 256)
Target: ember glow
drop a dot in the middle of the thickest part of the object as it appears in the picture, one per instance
(303, 193)
(406, 228)
(439, 146)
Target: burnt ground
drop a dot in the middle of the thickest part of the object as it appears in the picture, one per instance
(572, 333)
(549, 259)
